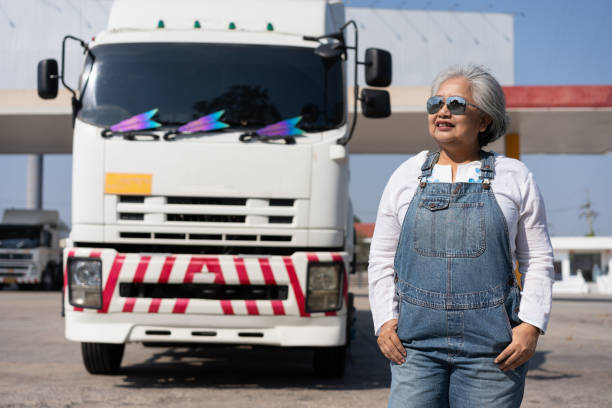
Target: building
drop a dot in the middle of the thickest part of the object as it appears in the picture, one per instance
(582, 264)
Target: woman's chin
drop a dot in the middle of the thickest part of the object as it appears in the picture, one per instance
(443, 138)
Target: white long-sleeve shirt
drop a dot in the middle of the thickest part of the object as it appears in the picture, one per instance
(522, 205)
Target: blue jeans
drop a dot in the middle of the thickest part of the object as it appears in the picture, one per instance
(427, 379)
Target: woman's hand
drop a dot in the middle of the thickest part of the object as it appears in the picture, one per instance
(390, 344)
(523, 346)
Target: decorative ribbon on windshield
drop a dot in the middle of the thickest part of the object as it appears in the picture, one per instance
(136, 123)
(204, 124)
(284, 130)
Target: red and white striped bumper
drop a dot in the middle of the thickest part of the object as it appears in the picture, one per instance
(275, 322)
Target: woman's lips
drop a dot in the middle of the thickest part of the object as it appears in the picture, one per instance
(441, 125)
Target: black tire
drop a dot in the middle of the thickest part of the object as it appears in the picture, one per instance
(102, 358)
(48, 279)
(350, 318)
(329, 362)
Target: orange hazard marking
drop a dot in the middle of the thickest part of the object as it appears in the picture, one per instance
(128, 183)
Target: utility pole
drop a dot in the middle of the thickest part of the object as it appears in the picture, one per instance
(588, 213)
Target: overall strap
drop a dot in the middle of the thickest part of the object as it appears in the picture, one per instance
(487, 168)
(427, 167)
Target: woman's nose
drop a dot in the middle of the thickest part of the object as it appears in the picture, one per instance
(444, 110)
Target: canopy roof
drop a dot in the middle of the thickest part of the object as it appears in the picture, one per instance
(549, 119)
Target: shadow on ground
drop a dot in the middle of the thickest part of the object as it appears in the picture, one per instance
(537, 371)
(273, 368)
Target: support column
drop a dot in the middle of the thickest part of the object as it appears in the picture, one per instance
(34, 182)
(513, 148)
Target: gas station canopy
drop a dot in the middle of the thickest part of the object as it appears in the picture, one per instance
(548, 119)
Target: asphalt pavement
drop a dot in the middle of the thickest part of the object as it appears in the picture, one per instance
(39, 368)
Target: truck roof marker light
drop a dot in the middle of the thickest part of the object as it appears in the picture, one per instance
(205, 123)
(160, 24)
(232, 25)
(270, 27)
(197, 24)
(138, 122)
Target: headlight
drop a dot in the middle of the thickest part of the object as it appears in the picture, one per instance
(324, 287)
(85, 278)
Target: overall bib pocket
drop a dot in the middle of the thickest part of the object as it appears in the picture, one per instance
(449, 229)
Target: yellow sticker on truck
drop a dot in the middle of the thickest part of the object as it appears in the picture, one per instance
(128, 183)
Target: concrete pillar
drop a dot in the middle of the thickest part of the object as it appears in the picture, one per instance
(34, 182)
(513, 148)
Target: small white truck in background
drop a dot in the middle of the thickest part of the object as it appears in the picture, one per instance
(30, 253)
(210, 180)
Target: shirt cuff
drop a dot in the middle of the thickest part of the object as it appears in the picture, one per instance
(378, 324)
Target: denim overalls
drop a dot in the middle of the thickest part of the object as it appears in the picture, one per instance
(458, 297)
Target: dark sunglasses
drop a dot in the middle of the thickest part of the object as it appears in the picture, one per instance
(455, 104)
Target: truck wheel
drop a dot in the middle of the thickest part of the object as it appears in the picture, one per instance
(329, 361)
(47, 279)
(51, 278)
(102, 358)
(350, 319)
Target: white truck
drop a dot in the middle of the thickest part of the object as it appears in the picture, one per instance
(239, 235)
(30, 253)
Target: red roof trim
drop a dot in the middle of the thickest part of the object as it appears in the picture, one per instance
(578, 96)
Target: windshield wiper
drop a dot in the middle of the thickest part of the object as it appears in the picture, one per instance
(134, 135)
(204, 124)
(133, 127)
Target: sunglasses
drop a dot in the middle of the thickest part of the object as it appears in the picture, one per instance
(455, 104)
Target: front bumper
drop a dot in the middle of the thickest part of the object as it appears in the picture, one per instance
(281, 331)
(229, 321)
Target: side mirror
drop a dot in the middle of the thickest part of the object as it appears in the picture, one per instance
(375, 103)
(47, 79)
(330, 50)
(378, 67)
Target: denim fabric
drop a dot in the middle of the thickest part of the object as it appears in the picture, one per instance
(458, 297)
(427, 380)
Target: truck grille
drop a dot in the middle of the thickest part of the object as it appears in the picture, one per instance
(15, 256)
(203, 291)
(230, 219)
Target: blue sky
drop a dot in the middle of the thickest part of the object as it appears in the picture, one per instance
(556, 43)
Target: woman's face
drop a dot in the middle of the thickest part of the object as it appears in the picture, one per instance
(457, 131)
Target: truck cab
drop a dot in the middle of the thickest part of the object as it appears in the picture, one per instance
(230, 236)
(30, 254)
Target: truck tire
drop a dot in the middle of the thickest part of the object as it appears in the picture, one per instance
(48, 279)
(102, 358)
(329, 362)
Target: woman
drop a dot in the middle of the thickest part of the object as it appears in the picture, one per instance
(451, 227)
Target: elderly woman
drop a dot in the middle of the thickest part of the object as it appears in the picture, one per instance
(451, 226)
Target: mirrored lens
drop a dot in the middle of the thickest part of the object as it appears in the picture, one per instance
(456, 105)
(434, 104)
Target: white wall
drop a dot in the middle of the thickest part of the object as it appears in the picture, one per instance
(31, 30)
(422, 42)
(425, 42)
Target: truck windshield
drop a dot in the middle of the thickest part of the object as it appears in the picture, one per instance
(255, 84)
(19, 236)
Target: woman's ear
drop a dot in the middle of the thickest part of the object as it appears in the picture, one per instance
(485, 121)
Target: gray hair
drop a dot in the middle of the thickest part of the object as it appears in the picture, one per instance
(487, 94)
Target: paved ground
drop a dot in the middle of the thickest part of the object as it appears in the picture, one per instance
(38, 368)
